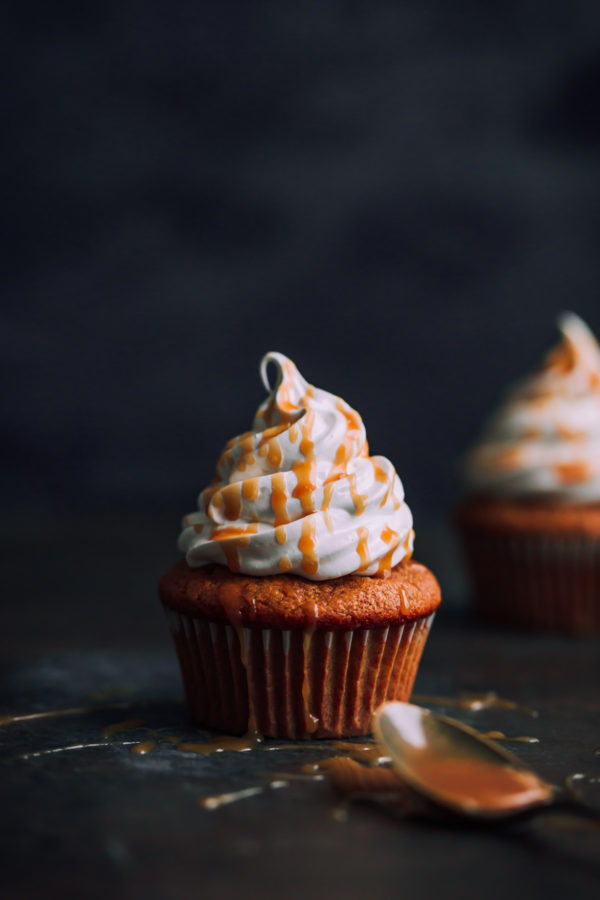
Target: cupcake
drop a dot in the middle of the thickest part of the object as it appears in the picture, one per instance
(531, 523)
(297, 607)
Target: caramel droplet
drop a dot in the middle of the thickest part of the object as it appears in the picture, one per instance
(308, 547)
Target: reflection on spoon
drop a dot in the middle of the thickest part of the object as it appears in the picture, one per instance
(455, 766)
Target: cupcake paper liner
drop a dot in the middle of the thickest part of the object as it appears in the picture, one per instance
(536, 581)
(294, 683)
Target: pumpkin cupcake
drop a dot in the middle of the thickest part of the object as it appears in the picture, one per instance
(531, 524)
(297, 608)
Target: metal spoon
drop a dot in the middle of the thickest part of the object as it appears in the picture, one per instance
(457, 768)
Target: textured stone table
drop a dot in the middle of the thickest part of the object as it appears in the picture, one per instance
(83, 629)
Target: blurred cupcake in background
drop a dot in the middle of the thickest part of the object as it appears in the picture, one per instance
(531, 522)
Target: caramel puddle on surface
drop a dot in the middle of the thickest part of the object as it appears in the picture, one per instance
(91, 745)
(500, 736)
(59, 713)
(473, 701)
(126, 725)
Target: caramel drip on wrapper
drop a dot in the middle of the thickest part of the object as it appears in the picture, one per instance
(311, 722)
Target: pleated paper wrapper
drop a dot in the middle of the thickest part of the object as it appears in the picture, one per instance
(294, 683)
(539, 582)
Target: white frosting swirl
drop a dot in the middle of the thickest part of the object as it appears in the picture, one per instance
(299, 492)
(545, 438)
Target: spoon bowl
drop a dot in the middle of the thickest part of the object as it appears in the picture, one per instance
(456, 767)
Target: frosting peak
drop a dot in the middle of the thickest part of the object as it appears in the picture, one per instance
(545, 438)
(299, 492)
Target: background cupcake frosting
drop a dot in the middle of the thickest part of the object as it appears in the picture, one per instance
(299, 492)
(545, 438)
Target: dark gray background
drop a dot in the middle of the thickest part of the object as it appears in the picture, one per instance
(400, 196)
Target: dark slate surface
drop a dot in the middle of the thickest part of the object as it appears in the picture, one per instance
(83, 627)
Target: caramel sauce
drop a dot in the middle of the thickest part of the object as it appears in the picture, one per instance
(500, 736)
(359, 500)
(388, 536)
(216, 503)
(350, 777)
(308, 546)
(231, 548)
(311, 612)
(221, 744)
(327, 497)
(351, 436)
(305, 469)
(572, 473)
(242, 532)
(280, 535)
(89, 746)
(403, 603)
(293, 434)
(369, 753)
(214, 801)
(472, 701)
(126, 725)
(362, 548)
(476, 783)
(250, 489)
(508, 459)
(59, 713)
(562, 359)
(232, 499)
(232, 605)
(381, 476)
(284, 564)
(569, 434)
(274, 453)
(279, 500)
(143, 747)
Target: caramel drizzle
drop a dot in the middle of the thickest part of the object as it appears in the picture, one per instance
(251, 489)
(403, 603)
(382, 477)
(279, 500)
(143, 747)
(362, 548)
(349, 441)
(359, 500)
(232, 538)
(573, 473)
(232, 500)
(305, 469)
(274, 453)
(126, 725)
(307, 545)
(327, 496)
(500, 736)
(232, 605)
(311, 612)
(391, 537)
(59, 713)
(472, 701)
